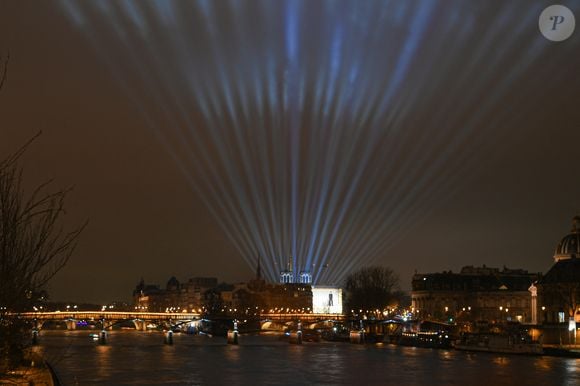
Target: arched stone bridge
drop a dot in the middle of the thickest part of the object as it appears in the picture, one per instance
(141, 319)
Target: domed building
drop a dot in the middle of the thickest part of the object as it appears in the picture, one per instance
(569, 247)
(559, 289)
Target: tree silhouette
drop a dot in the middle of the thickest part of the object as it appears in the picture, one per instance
(34, 246)
(371, 288)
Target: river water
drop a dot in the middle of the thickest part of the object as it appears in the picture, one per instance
(141, 358)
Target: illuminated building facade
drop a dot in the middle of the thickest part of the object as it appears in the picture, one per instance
(288, 296)
(326, 300)
(175, 296)
(206, 294)
(559, 289)
(291, 297)
(474, 294)
(288, 276)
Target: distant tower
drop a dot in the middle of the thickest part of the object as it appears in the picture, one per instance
(287, 276)
(305, 277)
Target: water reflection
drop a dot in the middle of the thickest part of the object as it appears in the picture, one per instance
(544, 363)
(103, 360)
(572, 367)
(445, 355)
(501, 360)
(142, 358)
(232, 354)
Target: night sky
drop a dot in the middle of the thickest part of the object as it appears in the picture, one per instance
(422, 135)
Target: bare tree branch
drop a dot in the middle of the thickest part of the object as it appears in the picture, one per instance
(4, 70)
(371, 288)
(34, 246)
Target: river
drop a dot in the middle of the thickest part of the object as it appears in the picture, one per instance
(141, 358)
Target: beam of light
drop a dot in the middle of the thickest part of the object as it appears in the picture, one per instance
(448, 187)
(148, 119)
(301, 128)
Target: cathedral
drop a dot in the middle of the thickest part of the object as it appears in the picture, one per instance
(288, 276)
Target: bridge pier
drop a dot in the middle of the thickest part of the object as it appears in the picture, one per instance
(140, 325)
(296, 337)
(169, 337)
(71, 324)
(233, 334)
(358, 336)
(34, 336)
(103, 337)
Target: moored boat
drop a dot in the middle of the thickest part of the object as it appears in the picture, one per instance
(429, 339)
(499, 343)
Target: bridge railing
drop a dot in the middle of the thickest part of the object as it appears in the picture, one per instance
(62, 315)
(95, 315)
(307, 317)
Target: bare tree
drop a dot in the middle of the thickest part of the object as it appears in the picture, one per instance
(568, 296)
(371, 288)
(34, 246)
(4, 70)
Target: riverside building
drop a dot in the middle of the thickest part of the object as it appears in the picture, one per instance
(559, 289)
(474, 294)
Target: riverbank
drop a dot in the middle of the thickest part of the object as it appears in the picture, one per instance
(27, 376)
(37, 373)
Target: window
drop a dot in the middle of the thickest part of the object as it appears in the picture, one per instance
(561, 317)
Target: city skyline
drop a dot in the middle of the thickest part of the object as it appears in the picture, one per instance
(475, 115)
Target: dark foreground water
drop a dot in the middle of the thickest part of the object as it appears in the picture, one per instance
(141, 358)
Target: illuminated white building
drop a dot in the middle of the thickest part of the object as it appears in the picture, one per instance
(326, 300)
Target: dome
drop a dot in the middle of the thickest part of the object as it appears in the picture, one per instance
(569, 247)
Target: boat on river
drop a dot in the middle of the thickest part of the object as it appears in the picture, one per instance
(428, 334)
(428, 339)
(499, 343)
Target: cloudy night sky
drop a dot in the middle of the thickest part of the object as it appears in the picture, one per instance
(423, 135)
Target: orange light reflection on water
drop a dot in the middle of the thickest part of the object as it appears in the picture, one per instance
(501, 361)
(103, 360)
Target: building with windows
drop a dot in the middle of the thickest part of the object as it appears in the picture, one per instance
(175, 296)
(559, 289)
(474, 294)
(205, 294)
